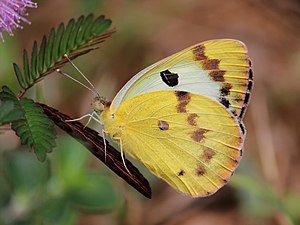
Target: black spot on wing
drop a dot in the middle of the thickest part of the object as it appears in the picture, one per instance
(225, 89)
(169, 78)
(225, 102)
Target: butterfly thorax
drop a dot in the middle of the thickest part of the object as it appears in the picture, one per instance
(111, 124)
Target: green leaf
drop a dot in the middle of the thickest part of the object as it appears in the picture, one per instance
(88, 31)
(33, 131)
(64, 46)
(7, 95)
(86, 24)
(49, 48)
(26, 67)
(78, 38)
(20, 76)
(59, 36)
(8, 112)
(78, 24)
(41, 62)
(34, 56)
(36, 129)
(102, 27)
(97, 22)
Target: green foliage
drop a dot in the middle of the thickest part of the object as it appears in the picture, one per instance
(93, 191)
(9, 113)
(260, 200)
(28, 121)
(54, 192)
(77, 38)
(35, 129)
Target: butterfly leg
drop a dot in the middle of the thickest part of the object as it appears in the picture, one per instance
(90, 115)
(80, 118)
(104, 141)
(90, 118)
(122, 155)
(93, 116)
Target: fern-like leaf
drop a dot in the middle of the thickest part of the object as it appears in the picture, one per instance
(35, 129)
(77, 38)
(9, 113)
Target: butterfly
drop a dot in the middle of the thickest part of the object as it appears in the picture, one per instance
(182, 116)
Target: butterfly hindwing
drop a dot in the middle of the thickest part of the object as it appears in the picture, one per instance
(219, 69)
(191, 141)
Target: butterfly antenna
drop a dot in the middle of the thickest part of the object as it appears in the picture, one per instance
(77, 81)
(87, 80)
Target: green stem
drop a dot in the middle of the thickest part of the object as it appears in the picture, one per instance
(40, 92)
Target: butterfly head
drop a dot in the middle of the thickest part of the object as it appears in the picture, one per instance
(102, 107)
(100, 104)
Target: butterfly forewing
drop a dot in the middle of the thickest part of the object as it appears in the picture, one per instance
(191, 141)
(219, 69)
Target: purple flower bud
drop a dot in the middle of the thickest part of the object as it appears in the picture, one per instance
(12, 12)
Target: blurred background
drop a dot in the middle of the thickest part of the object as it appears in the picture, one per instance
(73, 187)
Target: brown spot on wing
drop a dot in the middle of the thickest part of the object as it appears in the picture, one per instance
(225, 90)
(181, 173)
(182, 95)
(200, 170)
(163, 125)
(192, 119)
(208, 154)
(181, 107)
(199, 52)
(198, 134)
(217, 75)
(211, 64)
(183, 98)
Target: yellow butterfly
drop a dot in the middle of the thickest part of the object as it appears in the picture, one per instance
(181, 117)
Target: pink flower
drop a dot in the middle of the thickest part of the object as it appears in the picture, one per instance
(12, 12)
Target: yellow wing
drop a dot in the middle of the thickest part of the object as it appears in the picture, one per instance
(219, 69)
(188, 140)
